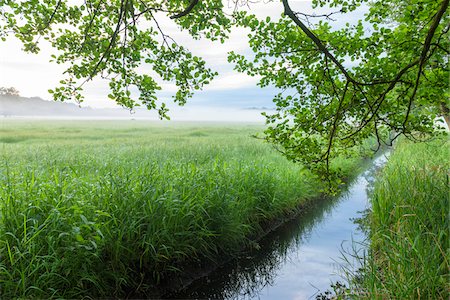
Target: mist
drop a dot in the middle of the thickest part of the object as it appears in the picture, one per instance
(35, 107)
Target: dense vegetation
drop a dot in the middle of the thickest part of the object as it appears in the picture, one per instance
(108, 209)
(409, 226)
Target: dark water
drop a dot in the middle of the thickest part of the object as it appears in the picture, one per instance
(300, 259)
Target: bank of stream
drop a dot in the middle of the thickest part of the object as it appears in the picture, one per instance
(299, 260)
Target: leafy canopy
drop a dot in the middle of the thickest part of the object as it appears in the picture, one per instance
(118, 40)
(386, 74)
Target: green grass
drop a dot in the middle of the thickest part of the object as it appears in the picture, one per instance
(108, 209)
(409, 226)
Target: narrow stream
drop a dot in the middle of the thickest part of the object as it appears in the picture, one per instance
(300, 259)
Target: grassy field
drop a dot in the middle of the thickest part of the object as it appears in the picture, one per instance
(409, 226)
(108, 209)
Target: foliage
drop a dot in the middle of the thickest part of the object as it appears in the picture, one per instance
(106, 209)
(118, 40)
(409, 251)
(398, 81)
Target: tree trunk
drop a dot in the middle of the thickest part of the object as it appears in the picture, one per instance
(445, 112)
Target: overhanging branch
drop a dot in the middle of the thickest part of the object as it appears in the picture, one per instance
(186, 11)
(288, 11)
(423, 56)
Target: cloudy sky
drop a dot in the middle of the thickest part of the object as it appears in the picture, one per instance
(33, 74)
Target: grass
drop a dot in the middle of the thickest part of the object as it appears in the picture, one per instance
(409, 226)
(111, 209)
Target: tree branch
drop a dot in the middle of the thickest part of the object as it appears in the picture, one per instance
(112, 40)
(423, 56)
(186, 11)
(88, 28)
(51, 17)
(335, 126)
(288, 11)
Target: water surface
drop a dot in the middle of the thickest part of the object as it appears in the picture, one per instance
(299, 260)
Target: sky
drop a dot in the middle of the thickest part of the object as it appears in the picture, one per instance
(33, 74)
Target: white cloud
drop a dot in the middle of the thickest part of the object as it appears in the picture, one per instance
(31, 74)
(231, 80)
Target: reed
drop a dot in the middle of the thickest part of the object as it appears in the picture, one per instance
(409, 226)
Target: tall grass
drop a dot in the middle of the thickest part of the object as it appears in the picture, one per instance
(409, 226)
(110, 210)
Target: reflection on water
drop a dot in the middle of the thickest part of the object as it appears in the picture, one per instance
(298, 260)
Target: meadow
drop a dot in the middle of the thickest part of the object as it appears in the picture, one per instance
(113, 209)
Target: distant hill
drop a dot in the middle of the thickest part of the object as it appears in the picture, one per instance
(16, 106)
(35, 106)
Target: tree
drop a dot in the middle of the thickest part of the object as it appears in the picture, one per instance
(397, 85)
(11, 91)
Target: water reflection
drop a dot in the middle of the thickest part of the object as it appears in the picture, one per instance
(297, 260)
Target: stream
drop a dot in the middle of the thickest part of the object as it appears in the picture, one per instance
(300, 259)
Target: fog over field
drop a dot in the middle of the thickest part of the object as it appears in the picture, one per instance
(35, 107)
